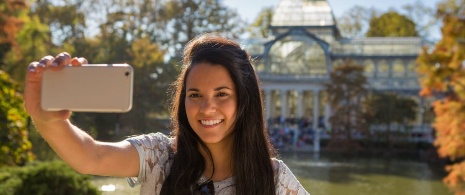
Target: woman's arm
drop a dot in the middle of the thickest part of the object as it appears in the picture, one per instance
(74, 146)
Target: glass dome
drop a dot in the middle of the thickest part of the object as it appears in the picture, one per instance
(303, 13)
(297, 55)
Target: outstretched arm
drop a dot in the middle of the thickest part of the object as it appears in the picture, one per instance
(74, 146)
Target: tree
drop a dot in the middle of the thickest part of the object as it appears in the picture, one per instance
(65, 21)
(391, 24)
(187, 19)
(442, 75)
(10, 24)
(423, 17)
(33, 41)
(154, 77)
(15, 147)
(388, 108)
(346, 90)
(260, 27)
(354, 22)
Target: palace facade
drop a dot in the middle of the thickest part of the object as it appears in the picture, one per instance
(294, 63)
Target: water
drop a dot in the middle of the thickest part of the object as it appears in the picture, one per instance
(325, 175)
(335, 175)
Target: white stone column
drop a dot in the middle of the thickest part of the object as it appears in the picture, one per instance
(268, 104)
(283, 104)
(316, 107)
(328, 114)
(300, 106)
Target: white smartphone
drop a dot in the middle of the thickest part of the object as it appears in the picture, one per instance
(88, 88)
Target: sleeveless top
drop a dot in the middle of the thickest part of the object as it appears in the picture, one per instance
(155, 153)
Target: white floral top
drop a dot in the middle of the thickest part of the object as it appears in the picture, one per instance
(154, 152)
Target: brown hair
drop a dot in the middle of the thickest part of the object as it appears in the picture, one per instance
(252, 151)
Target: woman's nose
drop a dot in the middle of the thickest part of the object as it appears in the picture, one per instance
(208, 106)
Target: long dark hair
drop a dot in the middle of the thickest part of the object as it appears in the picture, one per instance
(252, 151)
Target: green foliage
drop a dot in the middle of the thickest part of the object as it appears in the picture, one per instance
(33, 41)
(388, 108)
(391, 24)
(260, 27)
(43, 178)
(355, 21)
(15, 147)
(346, 90)
(146, 34)
(187, 19)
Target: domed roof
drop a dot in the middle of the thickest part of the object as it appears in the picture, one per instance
(303, 13)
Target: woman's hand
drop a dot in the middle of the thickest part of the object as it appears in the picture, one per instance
(32, 93)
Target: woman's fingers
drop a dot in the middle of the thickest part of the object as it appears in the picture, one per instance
(60, 61)
(78, 61)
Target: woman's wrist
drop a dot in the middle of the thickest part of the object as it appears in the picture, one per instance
(50, 124)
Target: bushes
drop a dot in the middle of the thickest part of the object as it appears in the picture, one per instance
(44, 178)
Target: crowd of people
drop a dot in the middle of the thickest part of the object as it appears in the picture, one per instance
(291, 133)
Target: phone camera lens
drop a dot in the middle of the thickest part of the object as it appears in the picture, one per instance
(126, 73)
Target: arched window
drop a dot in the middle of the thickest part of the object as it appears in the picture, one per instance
(383, 69)
(297, 55)
(398, 69)
(411, 68)
(369, 68)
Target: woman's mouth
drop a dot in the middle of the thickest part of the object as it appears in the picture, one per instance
(211, 122)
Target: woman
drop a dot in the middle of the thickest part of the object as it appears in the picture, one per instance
(220, 144)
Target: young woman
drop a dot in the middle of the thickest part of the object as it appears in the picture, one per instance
(220, 144)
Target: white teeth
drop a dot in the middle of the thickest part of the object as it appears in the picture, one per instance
(210, 122)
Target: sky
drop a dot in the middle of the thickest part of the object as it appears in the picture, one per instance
(249, 9)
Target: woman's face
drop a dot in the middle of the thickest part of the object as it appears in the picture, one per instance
(211, 102)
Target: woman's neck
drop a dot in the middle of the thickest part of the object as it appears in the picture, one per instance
(222, 160)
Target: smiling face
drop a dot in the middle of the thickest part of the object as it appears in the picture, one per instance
(211, 102)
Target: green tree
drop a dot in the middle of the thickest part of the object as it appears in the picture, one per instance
(15, 147)
(187, 19)
(346, 91)
(442, 75)
(388, 108)
(391, 24)
(33, 41)
(154, 77)
(66, 21)
(260, 27)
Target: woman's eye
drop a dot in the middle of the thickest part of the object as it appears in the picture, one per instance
(194, 95)
(222, 94)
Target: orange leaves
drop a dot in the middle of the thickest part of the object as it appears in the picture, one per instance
(456, 177)
(442, 74)
(450, 128)
(9, 23)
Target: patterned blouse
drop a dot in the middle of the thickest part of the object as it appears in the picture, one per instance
(154, 152)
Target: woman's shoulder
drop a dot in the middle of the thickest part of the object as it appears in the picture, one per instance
(151, 140)
(285, 179)
(155, 151)
(277, 164)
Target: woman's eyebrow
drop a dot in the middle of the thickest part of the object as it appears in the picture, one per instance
(216, 89)
(222, 87)
(193, 89)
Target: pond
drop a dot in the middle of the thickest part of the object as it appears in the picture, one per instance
(328, 175)
(322, 175)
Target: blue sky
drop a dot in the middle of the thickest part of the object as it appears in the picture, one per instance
(249, 9)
